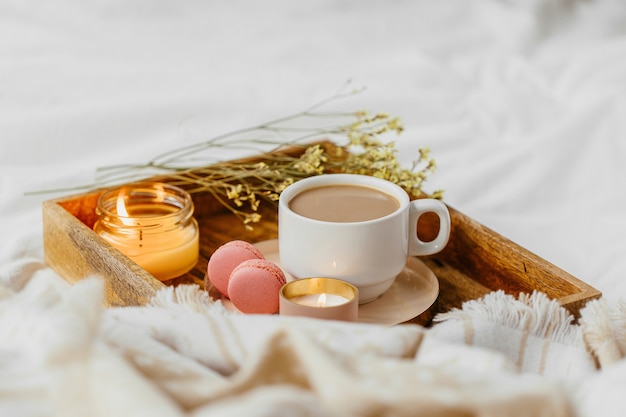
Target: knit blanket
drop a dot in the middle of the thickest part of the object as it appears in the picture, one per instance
(63, 354)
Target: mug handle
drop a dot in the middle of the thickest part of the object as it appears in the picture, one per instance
(418, 247)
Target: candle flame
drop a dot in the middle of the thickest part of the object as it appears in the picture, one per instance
(321, 301)
(121, 207)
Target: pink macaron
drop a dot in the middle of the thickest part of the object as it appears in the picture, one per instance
(225, 259)
(254, 286)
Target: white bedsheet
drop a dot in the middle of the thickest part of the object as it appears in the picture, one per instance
(522, 103)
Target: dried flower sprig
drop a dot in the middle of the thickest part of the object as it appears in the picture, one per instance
(370, 156)
(241, 186)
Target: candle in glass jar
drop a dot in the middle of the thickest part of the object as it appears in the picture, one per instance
(324, 298)
(152, 224)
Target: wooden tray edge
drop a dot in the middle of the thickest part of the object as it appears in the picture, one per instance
(75, 252)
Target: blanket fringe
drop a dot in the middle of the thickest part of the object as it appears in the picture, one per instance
(605, 330)
(541, 316)
(190, 297)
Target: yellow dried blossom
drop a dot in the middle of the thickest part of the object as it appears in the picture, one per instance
(280, 187)
(312, 160)
(254, 203)
(233, 191)
(396, 125)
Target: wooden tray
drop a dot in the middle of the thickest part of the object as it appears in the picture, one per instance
(476, 260)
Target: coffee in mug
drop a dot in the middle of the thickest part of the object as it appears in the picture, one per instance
(343, 203)
(357, 228)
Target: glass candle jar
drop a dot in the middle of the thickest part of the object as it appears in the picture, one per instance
(152, 224)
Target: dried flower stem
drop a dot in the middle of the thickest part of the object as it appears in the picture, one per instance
(240, 187)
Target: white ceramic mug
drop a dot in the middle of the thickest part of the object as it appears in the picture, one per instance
(368, 253)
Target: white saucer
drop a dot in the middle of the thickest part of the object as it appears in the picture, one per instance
(413, 292)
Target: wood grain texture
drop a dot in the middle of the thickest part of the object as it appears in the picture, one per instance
(476, 260)
(479, 260)
(75, 251)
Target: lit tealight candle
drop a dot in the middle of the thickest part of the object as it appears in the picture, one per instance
(152, 224)
(321, 300)
(324, 298)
